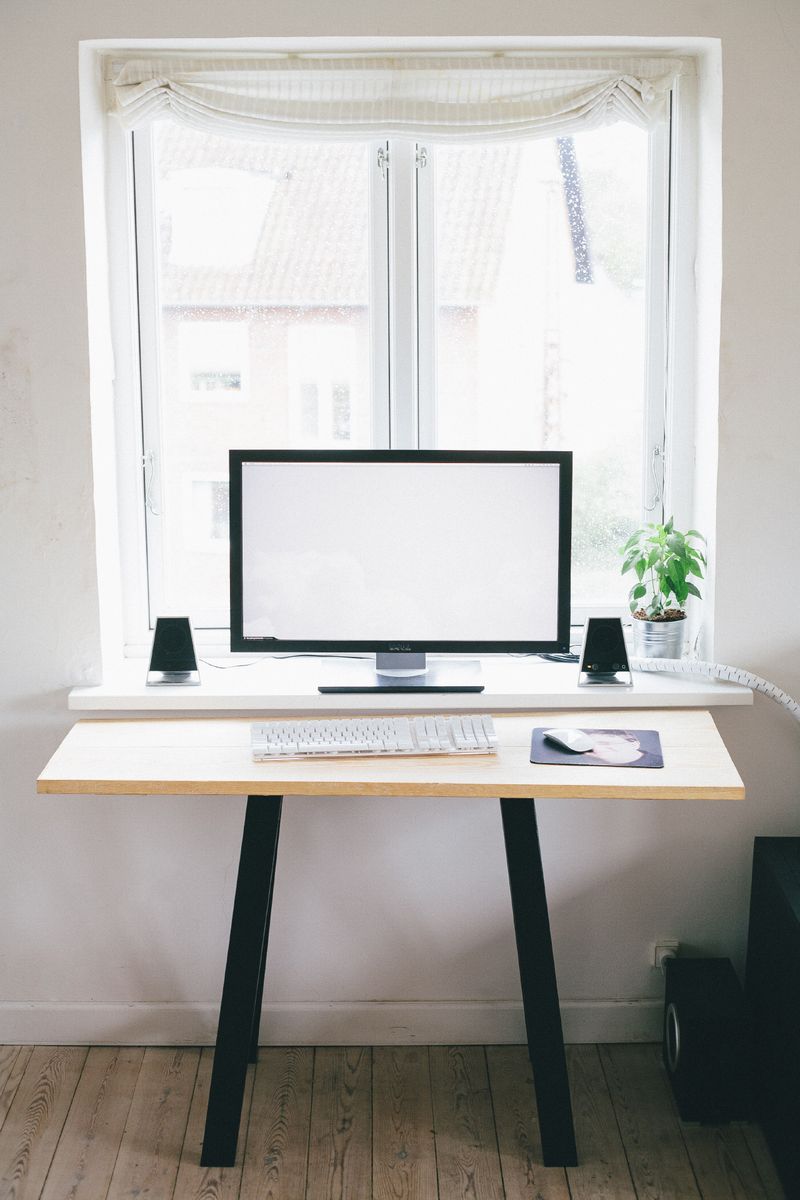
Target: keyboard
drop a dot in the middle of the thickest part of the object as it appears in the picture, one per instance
(471, 733)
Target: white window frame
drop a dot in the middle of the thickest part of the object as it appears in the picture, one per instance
(401, 364)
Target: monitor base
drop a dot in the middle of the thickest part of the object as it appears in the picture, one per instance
(439, 677)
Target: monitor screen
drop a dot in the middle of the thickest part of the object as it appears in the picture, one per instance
(412, 550)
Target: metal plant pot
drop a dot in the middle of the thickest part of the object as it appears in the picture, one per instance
(658, 639)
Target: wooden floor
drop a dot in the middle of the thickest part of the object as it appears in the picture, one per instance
(389, 1123)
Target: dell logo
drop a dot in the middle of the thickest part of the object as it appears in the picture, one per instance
(400, 648)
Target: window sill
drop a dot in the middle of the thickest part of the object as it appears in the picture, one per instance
(274, 685)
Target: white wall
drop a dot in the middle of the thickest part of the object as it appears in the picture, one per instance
(111, 903)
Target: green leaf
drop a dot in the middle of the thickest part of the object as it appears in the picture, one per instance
(676, 576)
(693, 569)
(694, 533)
(692, 590)
(638, 591)
(668, 525)
(639, 567)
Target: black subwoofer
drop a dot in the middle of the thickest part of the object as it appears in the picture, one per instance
(707, 1045)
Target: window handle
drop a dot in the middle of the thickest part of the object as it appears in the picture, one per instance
(149, 468)
(658, 485)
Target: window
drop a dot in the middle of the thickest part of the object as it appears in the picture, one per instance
(539, 332)
(507, 291)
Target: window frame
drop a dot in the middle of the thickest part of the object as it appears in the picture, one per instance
(401, 362)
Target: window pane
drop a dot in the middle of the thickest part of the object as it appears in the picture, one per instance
(540, 309)
(263, 323)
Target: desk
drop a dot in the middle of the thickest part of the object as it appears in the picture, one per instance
(212, 757)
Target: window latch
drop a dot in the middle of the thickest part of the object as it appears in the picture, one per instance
(383, 161)
(149, 468)
(422, 157)
(656, 458)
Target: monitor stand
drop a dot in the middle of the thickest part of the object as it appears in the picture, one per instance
(403, 672)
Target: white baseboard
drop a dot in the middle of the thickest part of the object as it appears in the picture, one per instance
(453, 1022)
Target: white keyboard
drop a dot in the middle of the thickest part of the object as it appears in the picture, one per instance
(438, 734)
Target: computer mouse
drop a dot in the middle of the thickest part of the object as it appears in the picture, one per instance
(570, 739)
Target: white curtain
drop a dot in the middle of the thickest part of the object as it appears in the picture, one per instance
(444, 97)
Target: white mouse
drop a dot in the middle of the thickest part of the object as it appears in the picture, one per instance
(570, 739)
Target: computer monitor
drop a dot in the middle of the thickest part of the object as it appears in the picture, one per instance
(400, 553)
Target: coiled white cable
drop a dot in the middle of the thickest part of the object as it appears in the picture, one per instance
(694, 666)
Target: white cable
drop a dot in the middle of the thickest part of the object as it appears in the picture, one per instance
(693, 666)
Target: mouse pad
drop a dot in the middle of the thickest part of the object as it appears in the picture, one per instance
(612, 748)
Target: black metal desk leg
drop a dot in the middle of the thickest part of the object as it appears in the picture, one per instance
(256, 1022)
(242, 989)
(538, 978)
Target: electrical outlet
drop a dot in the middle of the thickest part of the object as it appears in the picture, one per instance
(663, 949)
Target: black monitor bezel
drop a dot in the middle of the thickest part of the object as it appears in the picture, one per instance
(269, 645)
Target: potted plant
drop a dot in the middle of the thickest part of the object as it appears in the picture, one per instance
(662, 559)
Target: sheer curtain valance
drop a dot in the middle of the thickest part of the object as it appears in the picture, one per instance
(435, 96)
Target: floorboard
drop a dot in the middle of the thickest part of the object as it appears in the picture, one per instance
(35, 1119)
(149, 1154)
(87, 1150)
(651, 1134)
(354, 1123)
(757, 1145)
(602, 1172)
(276, 1159)
(13, 1062)
(340, 1150)
(466, 1142)
(517, 1127)
(722, 1163)
(403, 1149)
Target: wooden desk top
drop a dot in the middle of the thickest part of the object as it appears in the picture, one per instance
(211, 756)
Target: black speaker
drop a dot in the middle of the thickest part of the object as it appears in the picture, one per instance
(707, 1043)
(604, 657)
(772, 987)
(172, 660)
